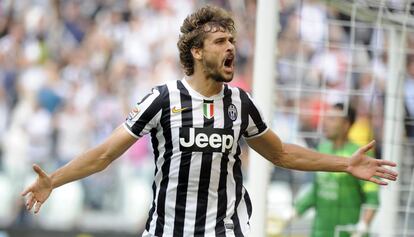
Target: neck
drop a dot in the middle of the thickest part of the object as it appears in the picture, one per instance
(204, 85)
(339, 142)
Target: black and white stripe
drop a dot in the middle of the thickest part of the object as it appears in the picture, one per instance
(222, 202)
(203, 184)
(198, 183)
(185, 163)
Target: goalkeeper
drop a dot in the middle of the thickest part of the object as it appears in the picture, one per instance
(338, 198)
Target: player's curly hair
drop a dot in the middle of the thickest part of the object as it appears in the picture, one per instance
(195, 28)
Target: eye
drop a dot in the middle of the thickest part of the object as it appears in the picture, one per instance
(220, 41)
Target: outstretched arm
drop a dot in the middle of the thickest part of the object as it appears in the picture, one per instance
(90, 162)
(295, 157)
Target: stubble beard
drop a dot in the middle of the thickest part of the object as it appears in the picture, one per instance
(211, 71)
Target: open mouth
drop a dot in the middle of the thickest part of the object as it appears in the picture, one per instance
(229, 62)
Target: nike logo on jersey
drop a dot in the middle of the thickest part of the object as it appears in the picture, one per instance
(206, 139)
(178, 110)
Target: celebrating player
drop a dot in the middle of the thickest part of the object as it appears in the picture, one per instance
(196, 125)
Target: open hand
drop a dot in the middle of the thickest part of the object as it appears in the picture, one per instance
(367, 168)
(39, 191)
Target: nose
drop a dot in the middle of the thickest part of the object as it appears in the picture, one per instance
(230, 47)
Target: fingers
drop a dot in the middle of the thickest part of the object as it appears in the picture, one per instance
(377, 181)
(30, 202)
(26, 191)
(385, 176)
(39, 171)
(387, 171)
(387, 162)
(37, 207)
(367, 147)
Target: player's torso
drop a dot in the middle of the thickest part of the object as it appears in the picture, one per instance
(204, 141)
(204, 125)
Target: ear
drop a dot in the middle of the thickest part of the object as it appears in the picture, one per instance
(347, 126)
(197, 53)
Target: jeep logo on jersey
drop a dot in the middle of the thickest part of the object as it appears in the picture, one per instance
(206, 139)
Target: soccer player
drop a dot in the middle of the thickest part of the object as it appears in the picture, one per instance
(196, 125)
(339, 197)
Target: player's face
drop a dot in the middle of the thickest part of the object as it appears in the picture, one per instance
(219, 56)
(335, 125)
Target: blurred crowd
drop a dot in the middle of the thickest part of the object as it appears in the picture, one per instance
(70, 71)
(325, 57)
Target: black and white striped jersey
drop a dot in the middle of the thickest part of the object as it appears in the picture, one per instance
(198, 184)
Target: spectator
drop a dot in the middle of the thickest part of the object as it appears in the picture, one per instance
(337, 197)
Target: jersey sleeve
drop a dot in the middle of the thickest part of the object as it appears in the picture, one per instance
(256, 125)
(306, 199)
(145, 115)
